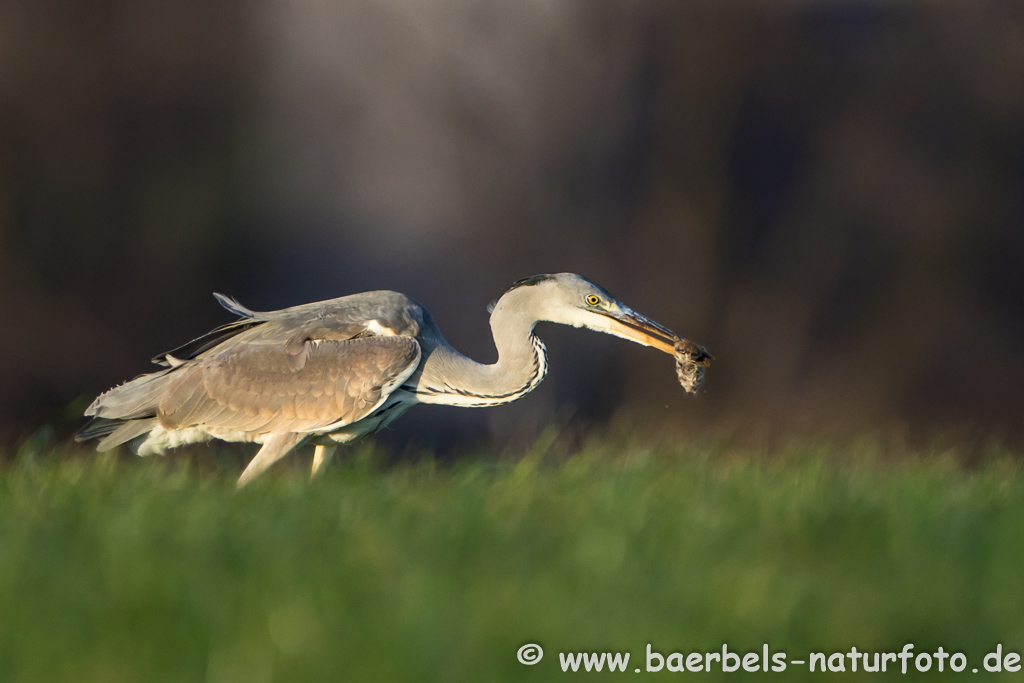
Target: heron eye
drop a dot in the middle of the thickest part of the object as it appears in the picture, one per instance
(593, 300)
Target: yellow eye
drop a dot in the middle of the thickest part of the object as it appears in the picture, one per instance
(593, 300)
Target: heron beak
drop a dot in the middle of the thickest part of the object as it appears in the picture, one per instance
(630, 324)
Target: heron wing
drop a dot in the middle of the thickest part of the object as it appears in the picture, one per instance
(315, 386)
(365, 314)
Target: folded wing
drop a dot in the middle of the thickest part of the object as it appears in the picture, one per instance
(317, 385)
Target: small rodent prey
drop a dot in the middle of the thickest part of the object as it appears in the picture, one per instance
(692, 362)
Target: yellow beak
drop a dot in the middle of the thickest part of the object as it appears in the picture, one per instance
(641, 329)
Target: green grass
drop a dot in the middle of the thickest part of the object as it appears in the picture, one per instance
(114, 569)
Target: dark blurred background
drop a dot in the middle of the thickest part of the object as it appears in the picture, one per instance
(828, 195)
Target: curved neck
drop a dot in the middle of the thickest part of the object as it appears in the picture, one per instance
(446, 376)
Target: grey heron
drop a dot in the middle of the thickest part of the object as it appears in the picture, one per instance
(333, 371)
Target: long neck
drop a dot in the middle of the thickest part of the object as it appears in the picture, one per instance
(450, 378)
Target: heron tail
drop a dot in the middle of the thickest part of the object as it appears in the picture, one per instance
(114, 432)
(96, 428)
(132, 400)
(125, 412)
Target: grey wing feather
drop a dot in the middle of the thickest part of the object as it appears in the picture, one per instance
(337, 319)
(131, 400)
(392, 310)
(232, 305)
(259, 389)
(126, 432)
(200, 345)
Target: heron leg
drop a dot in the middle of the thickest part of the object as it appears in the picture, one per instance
(275, 447)
(321, 456)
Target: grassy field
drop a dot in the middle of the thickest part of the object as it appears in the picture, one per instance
(113, 569)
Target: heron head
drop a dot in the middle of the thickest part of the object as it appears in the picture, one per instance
(571, 299)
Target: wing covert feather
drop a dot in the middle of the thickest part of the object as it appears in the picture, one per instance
(260, 388)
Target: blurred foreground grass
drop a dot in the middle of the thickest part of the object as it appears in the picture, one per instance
(121, 570)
